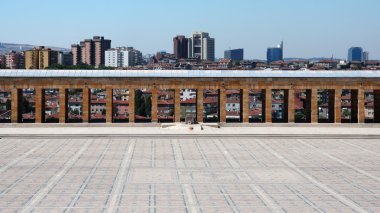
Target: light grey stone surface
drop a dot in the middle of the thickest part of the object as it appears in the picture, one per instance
(165, 174)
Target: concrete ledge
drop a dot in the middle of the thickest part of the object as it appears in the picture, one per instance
(278, 130)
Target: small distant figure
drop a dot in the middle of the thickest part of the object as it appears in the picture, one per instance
(201, 126)
(189, 119)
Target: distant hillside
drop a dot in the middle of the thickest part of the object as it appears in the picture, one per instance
(6, 47)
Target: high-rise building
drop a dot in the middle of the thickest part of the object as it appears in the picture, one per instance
(77, 54)
(2, 61)
(14, 60)
(91, 51)
(365, 56)
(275, 53)
(355, 54)
(40, 58)
(202, 46)
(181, 47)
(123, 57)
(65, 59)
(235, 55)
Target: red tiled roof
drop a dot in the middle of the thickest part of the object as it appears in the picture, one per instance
(165, 102)
(98, 116)
(210, 100)
(121, 102)
(298, 104)
(233, 100)
(276, 101)
(189, 101)
(98, 101)
(255, 112)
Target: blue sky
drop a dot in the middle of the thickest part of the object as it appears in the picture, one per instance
(309, 28)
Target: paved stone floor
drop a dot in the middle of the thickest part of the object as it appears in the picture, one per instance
(174, 174)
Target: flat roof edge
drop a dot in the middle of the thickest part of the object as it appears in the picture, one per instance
(189, 74)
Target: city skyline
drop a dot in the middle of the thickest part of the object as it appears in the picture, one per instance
(310, 29)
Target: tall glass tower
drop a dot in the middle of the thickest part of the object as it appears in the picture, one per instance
(275, 53)
(355, 54)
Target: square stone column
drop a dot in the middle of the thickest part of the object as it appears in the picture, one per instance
(222, 105)
(245, 107)
(200, 105)
(376, 106)
(16, 96)
(290, 105)
(86, 105)
(338, 106)
(154, 105)
(40, 105)
(63, 105)
(361, 106)
(314, 105)
(268, 106)
(177, 105)
(109, 104)
(308, 106)
(131, 105)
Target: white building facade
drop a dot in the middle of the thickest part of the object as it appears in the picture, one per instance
(123, 57)
(202, 45)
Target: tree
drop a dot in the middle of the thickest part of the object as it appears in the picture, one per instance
(148, 104)
(25, 105)
(299, 115)
(8, 104)
(143, 104)
(71, 67)
(102, 67)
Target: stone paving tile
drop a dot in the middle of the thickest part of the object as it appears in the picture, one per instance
(212, 174)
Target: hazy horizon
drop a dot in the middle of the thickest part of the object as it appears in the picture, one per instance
(309, 29)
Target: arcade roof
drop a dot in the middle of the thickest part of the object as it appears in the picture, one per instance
(188, 74)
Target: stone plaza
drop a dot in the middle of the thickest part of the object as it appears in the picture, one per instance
(200, 173)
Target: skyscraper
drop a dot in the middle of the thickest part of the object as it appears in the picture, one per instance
(235, 55)
(91, 51)
(275, 53)
(355, 54)
(202, 45)
(365, 56)
(181, 47)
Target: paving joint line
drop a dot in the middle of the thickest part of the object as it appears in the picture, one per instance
(22, 157)
(121, 176)
(28, 207)
(87, 180)
(324, 187)
(340, 161)
(5, 191)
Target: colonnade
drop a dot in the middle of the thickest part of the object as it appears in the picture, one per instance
(312, 108)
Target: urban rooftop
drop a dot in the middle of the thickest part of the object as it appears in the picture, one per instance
(196, 52)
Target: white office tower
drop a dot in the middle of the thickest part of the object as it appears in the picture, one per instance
(202, 46)
(123, 57)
